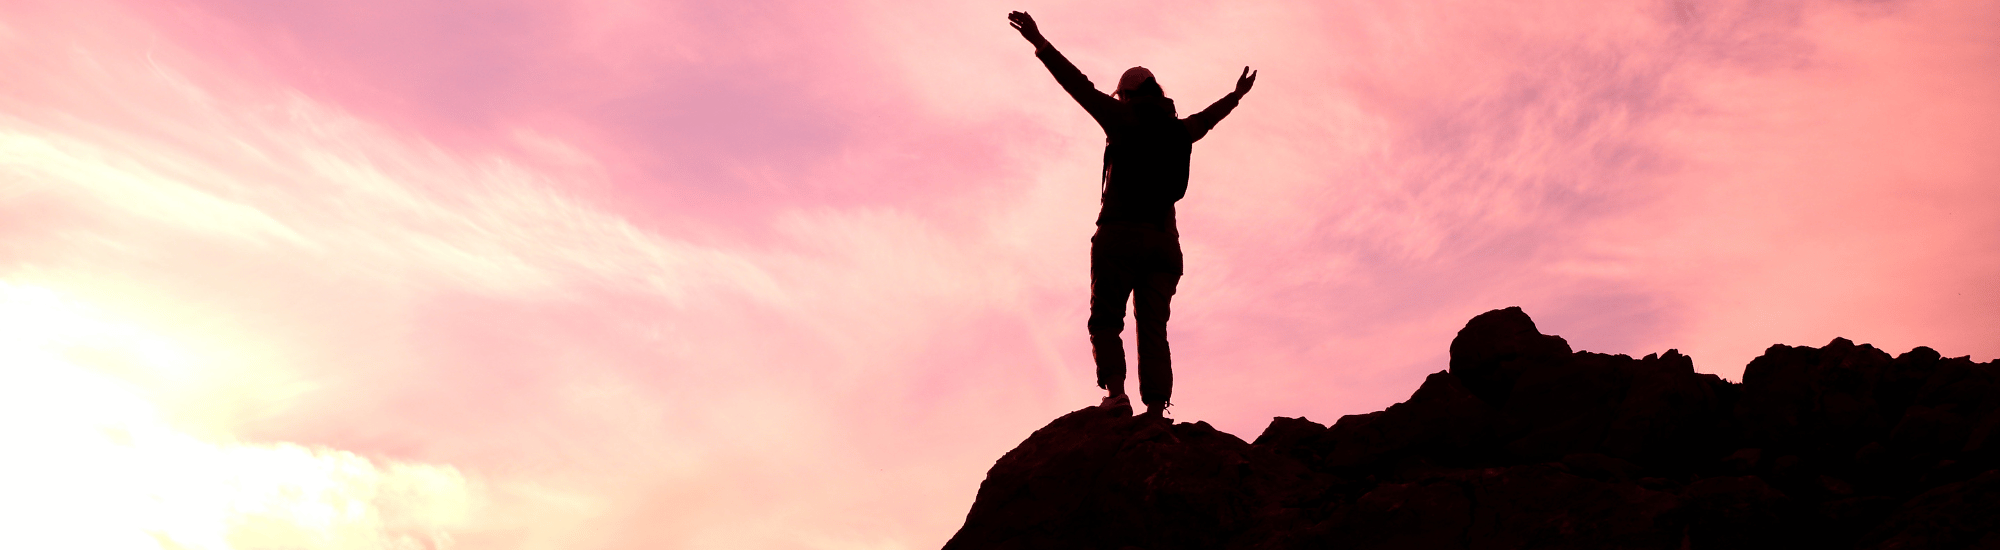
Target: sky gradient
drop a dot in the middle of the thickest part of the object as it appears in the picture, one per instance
(792, 275)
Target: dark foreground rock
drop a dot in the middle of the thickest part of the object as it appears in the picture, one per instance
(1524, 443)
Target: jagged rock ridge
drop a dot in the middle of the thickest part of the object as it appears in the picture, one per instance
(1523, 443)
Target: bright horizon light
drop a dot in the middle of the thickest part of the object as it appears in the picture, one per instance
(92, 464)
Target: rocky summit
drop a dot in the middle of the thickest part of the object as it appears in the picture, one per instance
(1524, 443)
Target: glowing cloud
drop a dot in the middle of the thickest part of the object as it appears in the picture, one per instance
(92, 464)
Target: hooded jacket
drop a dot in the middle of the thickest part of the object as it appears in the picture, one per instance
(1146, 148)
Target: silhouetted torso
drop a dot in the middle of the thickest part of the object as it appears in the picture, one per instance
(1146, 151)
(1146, 169)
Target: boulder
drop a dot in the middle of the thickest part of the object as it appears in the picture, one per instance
(1494, 347)
(1103, 478)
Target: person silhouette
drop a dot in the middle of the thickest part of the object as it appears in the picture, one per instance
(1136, 251)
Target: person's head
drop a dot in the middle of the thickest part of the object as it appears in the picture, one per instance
(1138, 87)
(1138, 83)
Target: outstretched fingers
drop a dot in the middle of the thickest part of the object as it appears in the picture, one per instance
(1247, 79)
(1021, 21)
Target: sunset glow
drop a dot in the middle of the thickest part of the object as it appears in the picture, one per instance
(92, 464)
(603, 275)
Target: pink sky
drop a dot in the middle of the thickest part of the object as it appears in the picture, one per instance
(582, 275)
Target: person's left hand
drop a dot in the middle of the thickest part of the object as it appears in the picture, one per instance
(1244, 82)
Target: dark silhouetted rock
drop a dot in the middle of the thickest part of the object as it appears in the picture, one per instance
(1441, 422)
(1301, 439)
(1103, 478)
(1742, 512)
(1524, 443)
(1963, 514)
(1601, 468)
(1538, 505)
(1670, 414)
(1495, 347)
(1743, 461)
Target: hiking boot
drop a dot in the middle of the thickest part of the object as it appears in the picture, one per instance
(1157, 409)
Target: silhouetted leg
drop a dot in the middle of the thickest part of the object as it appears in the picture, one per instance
(1110, 283)
(1150, 298)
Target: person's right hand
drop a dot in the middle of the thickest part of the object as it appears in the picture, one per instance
(1244, 82)
(1021, 21)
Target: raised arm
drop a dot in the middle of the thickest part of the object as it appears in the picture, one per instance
(1100, 106)
(1200, 123)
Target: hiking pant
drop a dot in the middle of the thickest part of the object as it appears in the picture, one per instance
(1143, 263)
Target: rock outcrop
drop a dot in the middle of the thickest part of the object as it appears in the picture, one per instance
(1524, 443)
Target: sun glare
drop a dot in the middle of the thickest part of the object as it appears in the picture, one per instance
(91, 463)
